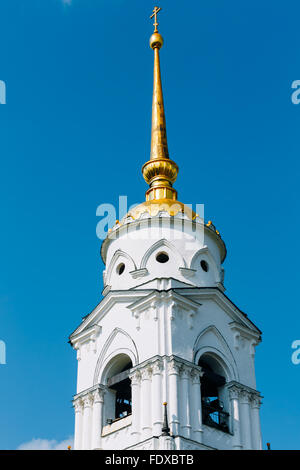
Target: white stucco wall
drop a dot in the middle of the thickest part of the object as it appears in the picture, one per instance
(164, 317)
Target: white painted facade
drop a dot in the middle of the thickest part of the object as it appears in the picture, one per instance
(164, 318)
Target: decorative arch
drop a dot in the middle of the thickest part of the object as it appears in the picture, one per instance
(205, 251)
(117, 255)
(221, 354)
(160, 244)
(112, 360)
(104, 359)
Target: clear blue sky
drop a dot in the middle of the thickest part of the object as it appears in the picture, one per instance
(74, 134)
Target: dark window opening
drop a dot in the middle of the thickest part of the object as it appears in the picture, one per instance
(162, 257)
(213, 413)
(121, 384)
(121, 269)
(204, 265)
(123, 399)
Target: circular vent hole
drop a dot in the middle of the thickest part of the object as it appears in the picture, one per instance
(204, 265)
(162, 257)
(121, 269)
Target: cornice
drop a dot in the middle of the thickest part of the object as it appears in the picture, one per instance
(90, 391)
(88, 333)
(177, 361)
(163, 296)
(243, 388)
(183, 295)
(244, 331)
(223, 301)
(112, 298)
(177, 221)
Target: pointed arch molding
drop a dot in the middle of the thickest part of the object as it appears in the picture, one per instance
(160, 244)
(118, 254)
(223, 353)
(205, 251)
(102, 359)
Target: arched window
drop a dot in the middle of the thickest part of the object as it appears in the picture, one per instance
(212, 394)
(118, 390)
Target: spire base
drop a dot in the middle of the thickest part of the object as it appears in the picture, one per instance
(160, 173)
(161, 193)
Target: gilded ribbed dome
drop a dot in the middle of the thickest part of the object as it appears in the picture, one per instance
(156, 206)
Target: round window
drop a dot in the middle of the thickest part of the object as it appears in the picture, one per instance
(162, 257)
(204, 265)
(121, 269)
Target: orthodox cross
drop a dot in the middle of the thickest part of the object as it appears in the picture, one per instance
(154, 15)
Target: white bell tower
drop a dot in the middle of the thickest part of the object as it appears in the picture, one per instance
(166, 360)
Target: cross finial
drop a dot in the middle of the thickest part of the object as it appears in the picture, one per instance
(154, 15)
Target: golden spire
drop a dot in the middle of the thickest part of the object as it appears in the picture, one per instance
(159, 172)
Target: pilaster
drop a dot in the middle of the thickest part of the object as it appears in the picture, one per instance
(185, 401)
(135, 378)
(98, 400)
(146, 408)
(78, 406)
(196, 404)
(87, 421)
(173, 379)
(255, 402)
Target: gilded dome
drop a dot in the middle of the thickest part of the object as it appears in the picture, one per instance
(155, 206)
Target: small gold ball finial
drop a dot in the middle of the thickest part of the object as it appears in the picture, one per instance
(156, 40)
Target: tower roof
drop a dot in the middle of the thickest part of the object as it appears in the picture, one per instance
(160, 172)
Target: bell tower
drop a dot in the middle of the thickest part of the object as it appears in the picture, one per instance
(166, 359)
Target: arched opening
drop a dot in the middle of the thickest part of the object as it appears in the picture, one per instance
(118, 399)
(213, 397)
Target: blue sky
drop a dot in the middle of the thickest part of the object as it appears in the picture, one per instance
(74, 134)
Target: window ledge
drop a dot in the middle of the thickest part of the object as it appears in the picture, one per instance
(115, 426)
(217, 429)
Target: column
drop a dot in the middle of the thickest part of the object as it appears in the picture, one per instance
(196, 406)
(255, 422)
(87, 415)
(78, 405)
(97, 419)
(173, 370)
(245, 419)
(185, 402)
(235, 417)
(136, 404)
(157, 398)
(146, 423)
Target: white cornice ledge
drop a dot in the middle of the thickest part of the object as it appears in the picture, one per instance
(214, 293)
(88, 391)
(90, 333)
(106, 290)
(139, 273)
(241, 387)
(103, 307)
(156, 297)
(187, 272)
(244, 331)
